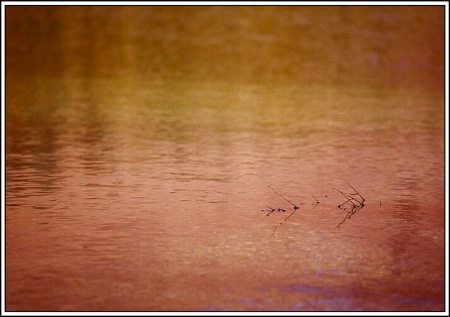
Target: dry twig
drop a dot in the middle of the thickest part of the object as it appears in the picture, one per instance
(354, 202)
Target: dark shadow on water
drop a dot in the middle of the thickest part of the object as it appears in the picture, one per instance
(405, 215)
(414, 301)
(308, 289)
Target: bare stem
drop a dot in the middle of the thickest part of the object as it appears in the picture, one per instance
(343, 220)
(285, 219)
(363, 200)
(295, 207)
(352, 204)
(317, 201)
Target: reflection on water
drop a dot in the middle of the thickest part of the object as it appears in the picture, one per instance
(140, 147)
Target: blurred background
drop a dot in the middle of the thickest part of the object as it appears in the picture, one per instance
(378, 46)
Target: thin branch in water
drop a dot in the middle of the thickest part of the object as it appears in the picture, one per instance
(356, 193)
(295, 207)
(343, 220)
(317, 201)
(285, 219)
(349, 198)
(351, 205)
(279, 209)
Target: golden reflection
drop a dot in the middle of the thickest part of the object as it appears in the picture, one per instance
(380, 46)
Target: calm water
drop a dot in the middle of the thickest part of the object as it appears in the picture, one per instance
(141, 144)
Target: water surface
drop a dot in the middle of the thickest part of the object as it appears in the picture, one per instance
(140, 147)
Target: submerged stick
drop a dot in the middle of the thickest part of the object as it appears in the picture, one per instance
(285, 219)
(295, 207)
(317, 201)
(290, 215)
(343, 220)
(349, 198)
(355, 204)
(363, 200)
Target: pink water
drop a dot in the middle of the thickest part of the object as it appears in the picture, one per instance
(140, 147)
